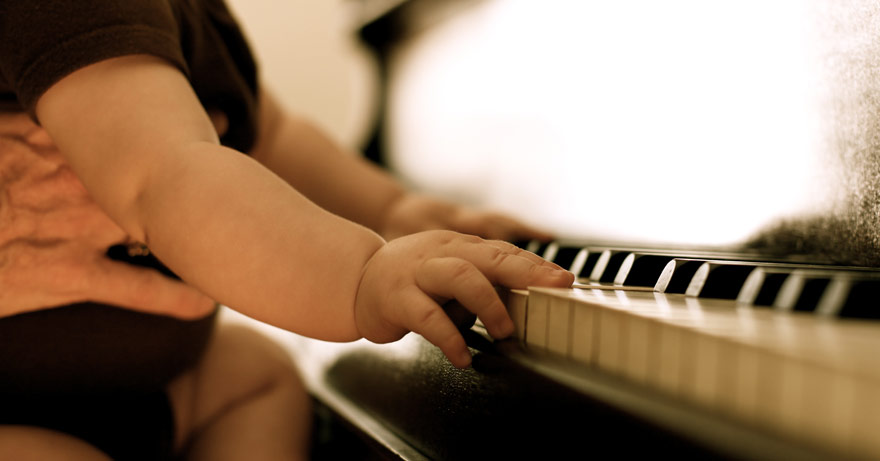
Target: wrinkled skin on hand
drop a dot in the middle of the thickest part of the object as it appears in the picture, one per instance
(54, 238)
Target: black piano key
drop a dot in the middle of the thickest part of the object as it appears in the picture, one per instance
(863, 300)
(722, 280)
(641, 270)
(523, 244)
(607, 266)
(802, 290)
(770, 288)
(542, 248)
(564, 256)
(590, 259)
(677, 275)
(537, 247)
(600, 265)
(810, 294)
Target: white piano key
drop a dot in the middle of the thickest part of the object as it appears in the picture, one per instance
(743, 400)
(639, 339)
(517, 305)
(559, 325)
(864, 441)
(706, 358)
(824, 413)
(687, 386)
(729, 355)
(668, 377)
(584, 334)
(843, 406)
(537, 316)
(769, 385)
(791, 396)
(611, 340)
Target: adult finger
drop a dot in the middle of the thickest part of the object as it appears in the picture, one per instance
(498, 226)
(422, 315)
(145, 290)
(454, 278)
(508, 229)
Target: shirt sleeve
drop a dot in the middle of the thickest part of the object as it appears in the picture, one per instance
(42, 41)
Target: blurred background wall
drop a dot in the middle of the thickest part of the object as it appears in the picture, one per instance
(683, 122)
(311, 59)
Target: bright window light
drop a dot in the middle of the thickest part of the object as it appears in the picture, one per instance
(687, 122)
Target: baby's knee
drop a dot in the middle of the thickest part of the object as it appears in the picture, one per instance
(245, 350)
(35, 443)
(245, 380)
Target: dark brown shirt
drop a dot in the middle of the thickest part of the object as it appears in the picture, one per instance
(41, 41)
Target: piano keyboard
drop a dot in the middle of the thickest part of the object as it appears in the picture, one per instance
(777, 345)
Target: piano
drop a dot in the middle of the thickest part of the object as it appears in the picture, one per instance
(750, 358)
(760, 344)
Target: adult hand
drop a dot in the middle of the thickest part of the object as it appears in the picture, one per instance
(54, 238)
(415, 213)
(407, 281)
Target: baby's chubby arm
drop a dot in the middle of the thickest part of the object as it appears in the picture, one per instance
(134, 132)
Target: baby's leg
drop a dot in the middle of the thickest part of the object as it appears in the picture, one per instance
(244, 400)
(27, 443)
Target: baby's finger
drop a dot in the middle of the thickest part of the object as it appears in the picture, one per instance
(460, 280)
(513, 268)
(145, 290)
(513, 249)
(424, 316)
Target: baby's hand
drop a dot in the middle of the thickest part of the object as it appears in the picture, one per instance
(407, 281)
